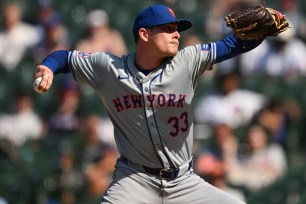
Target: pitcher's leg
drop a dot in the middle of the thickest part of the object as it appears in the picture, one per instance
(193, 189)
(131, 186)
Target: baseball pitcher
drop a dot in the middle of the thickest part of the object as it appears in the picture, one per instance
(148, 95)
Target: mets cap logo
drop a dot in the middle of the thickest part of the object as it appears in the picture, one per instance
(171, 11)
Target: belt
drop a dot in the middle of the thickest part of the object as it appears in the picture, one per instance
(171, 173)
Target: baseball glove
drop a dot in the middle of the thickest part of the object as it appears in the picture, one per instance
(256, 23)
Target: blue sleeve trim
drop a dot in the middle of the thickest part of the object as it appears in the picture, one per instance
(231, 46)
(57, 61)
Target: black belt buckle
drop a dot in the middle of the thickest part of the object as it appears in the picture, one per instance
(168, 173)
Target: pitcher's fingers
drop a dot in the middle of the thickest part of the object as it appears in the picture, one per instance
(48, 84)
(38, 72)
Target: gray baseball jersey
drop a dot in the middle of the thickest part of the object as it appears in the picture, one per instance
(153, 123)
(152, 114)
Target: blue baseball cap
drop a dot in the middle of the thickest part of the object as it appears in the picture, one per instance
(158, 15)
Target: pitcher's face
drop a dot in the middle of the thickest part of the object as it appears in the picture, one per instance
(165, 39)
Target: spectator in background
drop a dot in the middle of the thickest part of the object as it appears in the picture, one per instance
(265, 162)
(45, 14)
(16, 38)
(286, 56)
(229, 104)
(252, 63)
(97, 159)
(68, 180)
(93, 145)
(101, 38)
(65, 119)
(277, 117)
(55, 38)
(282, 56)
(22, 125)
(99, 173)
(209, 163)
(292, 9)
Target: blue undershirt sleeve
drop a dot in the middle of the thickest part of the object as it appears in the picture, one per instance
(57, 61)
(231, 46)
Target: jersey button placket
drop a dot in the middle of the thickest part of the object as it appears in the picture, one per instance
(153, 127)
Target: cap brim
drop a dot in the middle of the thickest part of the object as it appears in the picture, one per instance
(184, 24)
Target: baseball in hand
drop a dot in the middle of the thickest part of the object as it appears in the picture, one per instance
(36, 84)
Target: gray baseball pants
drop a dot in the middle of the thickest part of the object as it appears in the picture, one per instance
(131, 186)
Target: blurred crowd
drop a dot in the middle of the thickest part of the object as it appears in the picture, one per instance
(59, 147)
